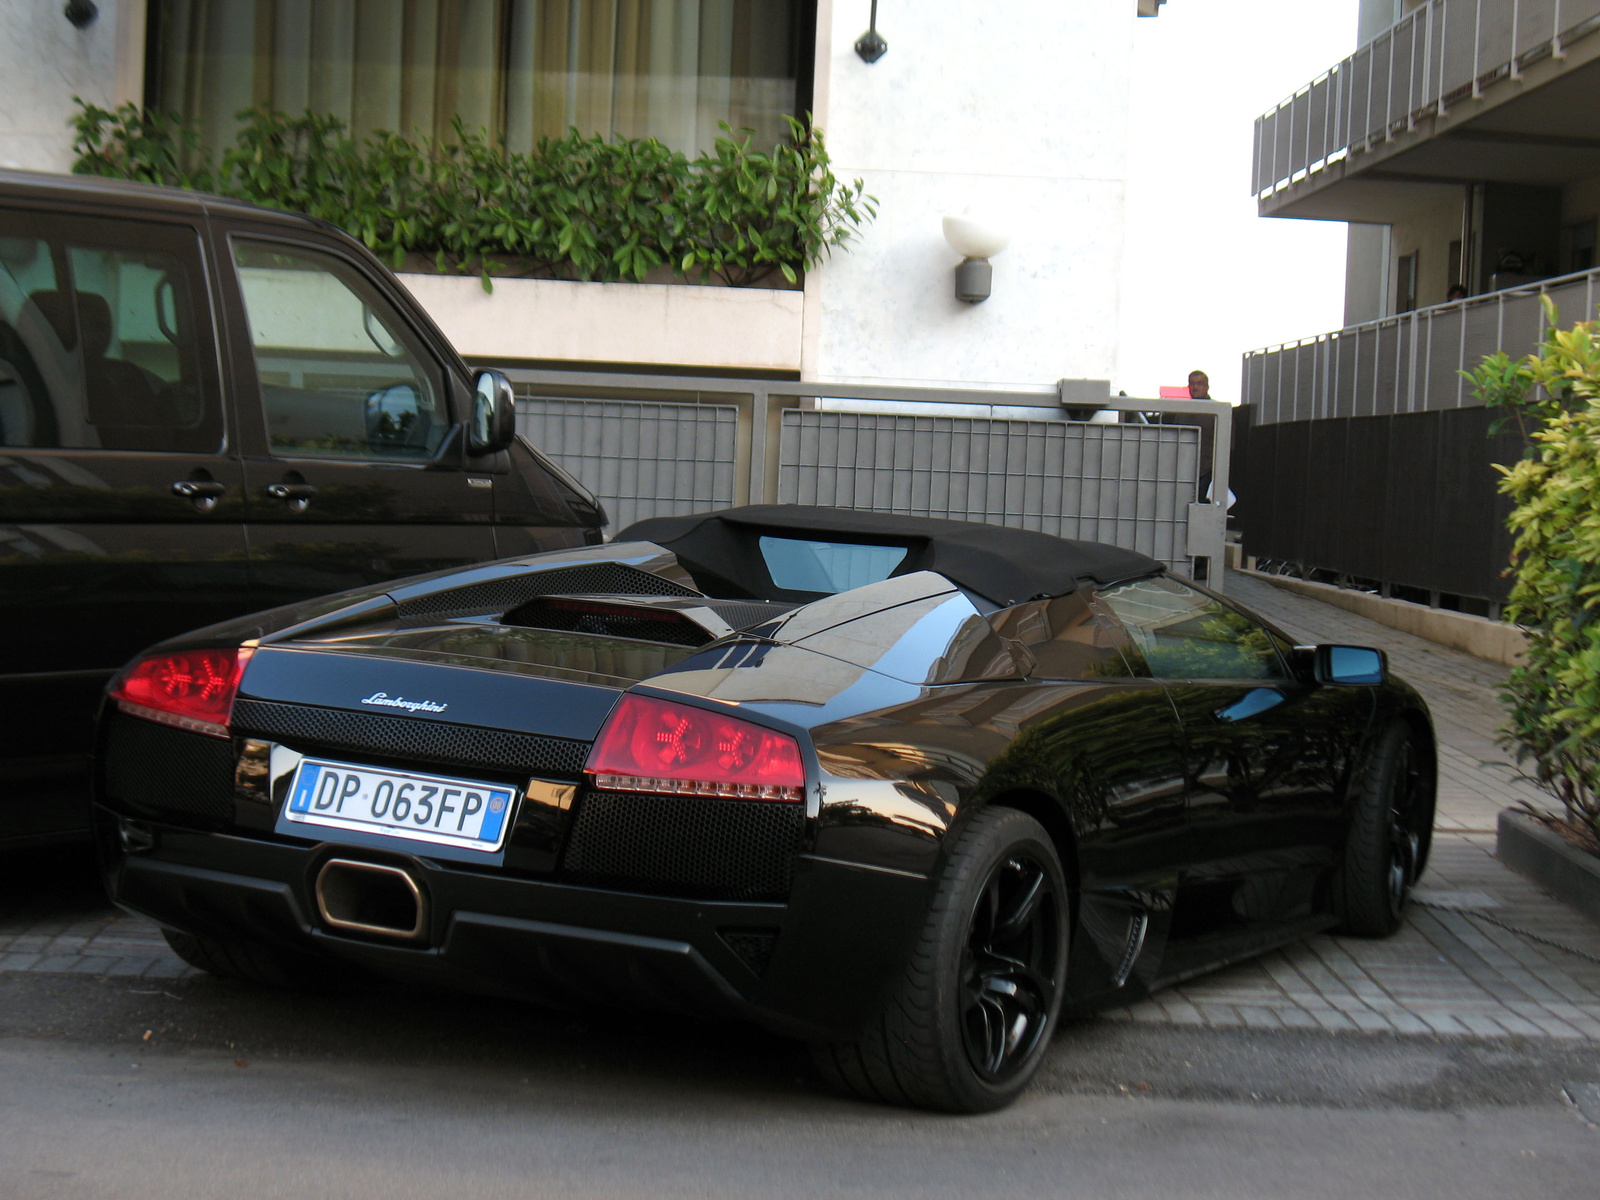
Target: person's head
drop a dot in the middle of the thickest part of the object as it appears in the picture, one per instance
(1458, 291)
(1199, 386)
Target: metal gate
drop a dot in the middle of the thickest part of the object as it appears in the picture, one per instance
(658, 445)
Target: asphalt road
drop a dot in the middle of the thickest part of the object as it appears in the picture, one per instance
(134, 1088)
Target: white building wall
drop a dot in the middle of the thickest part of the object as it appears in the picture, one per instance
(1017, 110)
(45, 62)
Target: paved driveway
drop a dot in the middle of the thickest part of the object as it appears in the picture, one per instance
(1456, 969)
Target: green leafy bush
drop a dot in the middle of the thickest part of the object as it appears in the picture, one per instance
(576, 207)
(1553, 397)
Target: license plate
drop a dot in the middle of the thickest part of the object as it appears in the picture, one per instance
(422, 808)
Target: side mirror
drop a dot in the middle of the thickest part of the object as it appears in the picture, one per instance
(494, 414)
(1351, 665)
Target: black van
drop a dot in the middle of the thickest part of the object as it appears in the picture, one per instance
(208, 408)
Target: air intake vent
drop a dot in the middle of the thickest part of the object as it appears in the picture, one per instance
(163, 771)
(753, 946)
(639, 622)
(684, 846)
(742, 614)
(500, 594)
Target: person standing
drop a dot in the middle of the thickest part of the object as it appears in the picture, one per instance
(1200, 389)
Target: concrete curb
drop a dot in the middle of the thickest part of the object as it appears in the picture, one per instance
(1478, 636)
(1545, 857)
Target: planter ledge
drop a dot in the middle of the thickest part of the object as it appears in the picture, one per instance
(1548, 859)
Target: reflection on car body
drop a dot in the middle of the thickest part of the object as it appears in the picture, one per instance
(907, 822)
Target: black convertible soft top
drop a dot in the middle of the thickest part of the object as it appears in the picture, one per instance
(1006, 566)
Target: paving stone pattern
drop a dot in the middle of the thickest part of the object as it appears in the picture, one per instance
(94, 943)
(1450, 971)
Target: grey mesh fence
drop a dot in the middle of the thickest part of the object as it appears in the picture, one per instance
(1438, 54)
(642, 459)
(1409, 363)
(1127, 484)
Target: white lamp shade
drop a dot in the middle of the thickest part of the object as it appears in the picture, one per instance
(974, 237)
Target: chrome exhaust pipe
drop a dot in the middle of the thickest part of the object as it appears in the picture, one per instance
(371, 898)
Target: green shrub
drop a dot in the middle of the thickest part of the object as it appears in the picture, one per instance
(576, 207)
(1553, 397)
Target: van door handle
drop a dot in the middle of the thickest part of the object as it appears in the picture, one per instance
(202, 493)
(196, 489)
(296, 495)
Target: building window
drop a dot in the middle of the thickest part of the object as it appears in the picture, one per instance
(1455, 265)
(522, 69)
(1406, 284)
(1579, 247)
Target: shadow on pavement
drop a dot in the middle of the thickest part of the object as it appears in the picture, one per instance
(51, 879)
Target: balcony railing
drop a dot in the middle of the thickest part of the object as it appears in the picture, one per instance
(1440, 53)
(1409, 363)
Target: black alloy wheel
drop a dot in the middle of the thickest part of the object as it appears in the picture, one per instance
(1391, 829)
(1407, 801)
(1009, 976)
(969, 1022)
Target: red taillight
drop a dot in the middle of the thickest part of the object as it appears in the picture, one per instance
(651, 745)
(190, 689)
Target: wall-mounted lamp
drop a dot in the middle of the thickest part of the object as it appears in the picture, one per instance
(870, 45)
(977, 241)
(81, 13)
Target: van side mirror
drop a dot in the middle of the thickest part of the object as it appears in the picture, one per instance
(494, 414)
(1351, 665)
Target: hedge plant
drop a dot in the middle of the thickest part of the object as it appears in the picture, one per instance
(575, 208)
(1553, 398)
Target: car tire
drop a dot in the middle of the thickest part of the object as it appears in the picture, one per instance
(1386, 846)
(969, 1021)
(249, 962)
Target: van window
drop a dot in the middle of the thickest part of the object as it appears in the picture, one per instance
(339, 375)
(98, 340)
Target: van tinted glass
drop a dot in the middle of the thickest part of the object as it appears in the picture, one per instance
(339, 375)
(98, 345)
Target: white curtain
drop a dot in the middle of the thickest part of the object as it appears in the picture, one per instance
(524, 69)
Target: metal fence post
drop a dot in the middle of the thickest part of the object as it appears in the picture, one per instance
(1477, 52)
(759, 405)
(1444, 47)
(1516, 17)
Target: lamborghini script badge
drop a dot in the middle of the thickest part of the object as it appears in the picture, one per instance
(384, 700)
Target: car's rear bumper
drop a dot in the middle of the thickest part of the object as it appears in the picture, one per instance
(822, 963)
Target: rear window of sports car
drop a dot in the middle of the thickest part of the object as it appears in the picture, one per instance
(800, 565)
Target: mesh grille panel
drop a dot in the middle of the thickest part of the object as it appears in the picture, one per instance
(753, 946)
(608, 620)
(684, 846)
(501, 594)
(400, 737)
(169, 771)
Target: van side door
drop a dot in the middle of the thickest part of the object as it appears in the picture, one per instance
(121, 492)
(352, 425)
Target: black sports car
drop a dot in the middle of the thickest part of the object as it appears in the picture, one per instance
(902, 788)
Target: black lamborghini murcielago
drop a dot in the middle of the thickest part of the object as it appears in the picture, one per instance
(899, 787)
